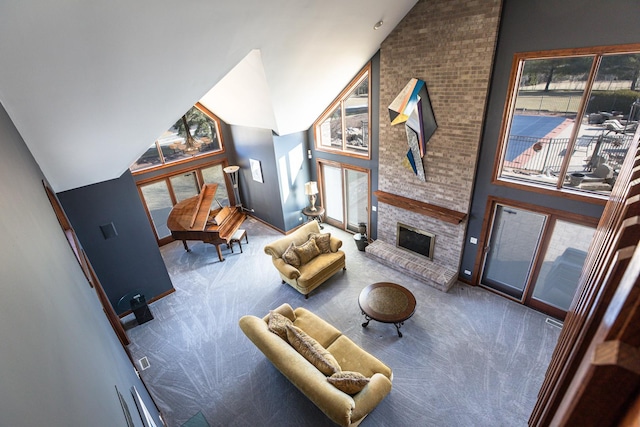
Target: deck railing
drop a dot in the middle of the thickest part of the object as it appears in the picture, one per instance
(545, 155)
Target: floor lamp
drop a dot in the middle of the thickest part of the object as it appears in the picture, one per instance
(232, 171)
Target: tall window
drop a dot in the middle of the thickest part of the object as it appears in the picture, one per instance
(175, 145)
(571, 117)
(344, 126)
(159, 194)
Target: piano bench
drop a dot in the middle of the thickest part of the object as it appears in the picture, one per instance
(237, 238)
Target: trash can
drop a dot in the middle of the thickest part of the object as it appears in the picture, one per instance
(361, 241)
(140, 309)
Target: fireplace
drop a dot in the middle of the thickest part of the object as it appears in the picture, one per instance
(414, 240)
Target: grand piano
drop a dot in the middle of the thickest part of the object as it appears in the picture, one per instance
(193, 219)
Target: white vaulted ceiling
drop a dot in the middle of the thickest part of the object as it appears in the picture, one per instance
(90, 85)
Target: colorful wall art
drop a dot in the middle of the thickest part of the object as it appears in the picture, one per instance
(413, 108)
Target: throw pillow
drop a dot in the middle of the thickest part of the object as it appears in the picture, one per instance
(278, 324)
(307, 251)
(291, 257)
(312, 350)
(348, 381)
(323, 241)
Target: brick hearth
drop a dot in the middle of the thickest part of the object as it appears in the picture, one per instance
(438, 276)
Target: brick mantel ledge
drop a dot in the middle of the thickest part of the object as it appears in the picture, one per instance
(434, 211)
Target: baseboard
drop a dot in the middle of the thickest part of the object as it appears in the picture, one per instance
(156, 298)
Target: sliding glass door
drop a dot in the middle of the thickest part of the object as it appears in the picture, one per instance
(333, 195)
(345, 195)
(357, 198)
(514, 241)
(160, 194)
(559, 273)
(535, 258)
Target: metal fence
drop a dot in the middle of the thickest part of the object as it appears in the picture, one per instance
(545, 155)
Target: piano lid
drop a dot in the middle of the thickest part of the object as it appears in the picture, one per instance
(192, 213)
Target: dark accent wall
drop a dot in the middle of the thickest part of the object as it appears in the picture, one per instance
(129, 261)
(292, 164)
(262, 197)
(533, 26)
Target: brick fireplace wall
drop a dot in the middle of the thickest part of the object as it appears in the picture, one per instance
(450, 45)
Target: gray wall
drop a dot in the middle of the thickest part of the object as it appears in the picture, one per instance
(531, 26)
(292, 164)
(60, 361)
(372, 164)
(128, 262)
(262, 197)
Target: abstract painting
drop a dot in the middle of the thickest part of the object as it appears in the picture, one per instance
(413, 108)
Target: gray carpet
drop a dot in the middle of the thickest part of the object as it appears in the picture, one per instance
(467, 358)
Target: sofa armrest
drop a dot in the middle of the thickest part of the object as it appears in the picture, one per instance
(287, 270)
(370, 396)
(307, 378)
(335, 244)
(285, 309)
(273, 251)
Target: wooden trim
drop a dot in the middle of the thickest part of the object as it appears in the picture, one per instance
(582, 107)
(271, 226)
(176, 163)
(464, 280)
(106, 305)
(571, 384)
(507, 117)
(564, 192)
(560, 214)
(434, 211)
(580, 51)
(552, 217)
(188, 168)
(339, 102)
(487, 220)
(163, 165)
(166, 177)
(617, 353)
(86, 266)
(152, 300)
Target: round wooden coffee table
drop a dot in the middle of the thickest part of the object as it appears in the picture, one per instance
(387, 303)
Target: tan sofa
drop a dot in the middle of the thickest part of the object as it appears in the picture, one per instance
(340, 407)
(308, 276)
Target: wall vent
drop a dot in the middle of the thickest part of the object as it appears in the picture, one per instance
(554, 322)
(144, 363)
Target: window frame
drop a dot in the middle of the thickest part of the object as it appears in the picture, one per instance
(344, 167)
(340, 102)
(166, 177)
(164, 164)
(517, 66)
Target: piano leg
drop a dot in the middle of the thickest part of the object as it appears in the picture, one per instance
(186, 248)
(220, 257)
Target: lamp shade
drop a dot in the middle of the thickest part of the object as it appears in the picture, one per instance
(231, 169)
(310, 188)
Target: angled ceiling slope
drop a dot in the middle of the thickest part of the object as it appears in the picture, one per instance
(242, 97)
(91, 85)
